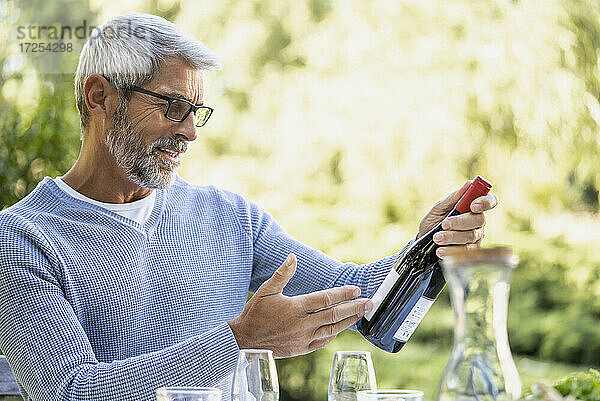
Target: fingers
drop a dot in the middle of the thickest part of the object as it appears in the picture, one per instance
(320, 343)
(463, 222)
(280, 278)
(334, 329)
(441, 252)
(466, 228)
(342, 311)
(484, 203)
(458, 237)
(326, 298)
(443, 207)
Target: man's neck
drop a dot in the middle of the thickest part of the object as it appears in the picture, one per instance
(96, 175)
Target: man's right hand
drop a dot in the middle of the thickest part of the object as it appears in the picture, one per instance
(297, 325)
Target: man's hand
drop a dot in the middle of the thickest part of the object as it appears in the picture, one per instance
(464, 230)
(297, 325)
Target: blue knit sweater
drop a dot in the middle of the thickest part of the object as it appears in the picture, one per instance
(94, 306)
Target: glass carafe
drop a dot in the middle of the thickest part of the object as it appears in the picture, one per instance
(481, 367)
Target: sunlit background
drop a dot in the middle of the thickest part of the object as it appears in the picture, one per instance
(347, 120)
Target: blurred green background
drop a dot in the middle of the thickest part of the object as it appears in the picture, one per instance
(348, 120)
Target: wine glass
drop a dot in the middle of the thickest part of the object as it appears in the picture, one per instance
(255, 376)
(390, 395)
(188, 394)
(352, 371)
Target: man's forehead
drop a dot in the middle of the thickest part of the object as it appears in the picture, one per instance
(177, 79)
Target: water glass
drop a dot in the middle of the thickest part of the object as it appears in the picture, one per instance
(352, 371)
(255, 376)
(188, 394)
(390, 395)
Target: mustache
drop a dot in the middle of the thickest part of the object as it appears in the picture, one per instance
(170, 143)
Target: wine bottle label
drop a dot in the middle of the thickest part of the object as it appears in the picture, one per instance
(408, 327)
(382, 291)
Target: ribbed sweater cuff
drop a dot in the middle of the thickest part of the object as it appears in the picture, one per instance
(221, 354)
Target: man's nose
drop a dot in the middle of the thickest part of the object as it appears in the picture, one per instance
(186, 129)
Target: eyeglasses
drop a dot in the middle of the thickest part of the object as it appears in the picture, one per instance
(179, 109)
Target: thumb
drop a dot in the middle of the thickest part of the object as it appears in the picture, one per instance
(445, 206)
(280, 278)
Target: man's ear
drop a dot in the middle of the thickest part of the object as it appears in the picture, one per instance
(100, 97)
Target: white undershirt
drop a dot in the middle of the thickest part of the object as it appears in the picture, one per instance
(139, 210)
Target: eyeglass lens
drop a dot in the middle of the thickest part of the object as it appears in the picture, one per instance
(201, 116)
(179, 109)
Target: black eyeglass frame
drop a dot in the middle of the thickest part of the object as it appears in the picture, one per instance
(170, 100)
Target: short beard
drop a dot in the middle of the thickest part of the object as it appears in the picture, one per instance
(137, 162)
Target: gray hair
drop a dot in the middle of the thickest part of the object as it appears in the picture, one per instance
(128, 49)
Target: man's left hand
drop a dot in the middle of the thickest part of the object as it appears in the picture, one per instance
(465, 230)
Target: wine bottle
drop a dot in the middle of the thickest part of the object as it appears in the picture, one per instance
(411, 287)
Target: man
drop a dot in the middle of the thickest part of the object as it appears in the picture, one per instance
(120, 277)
